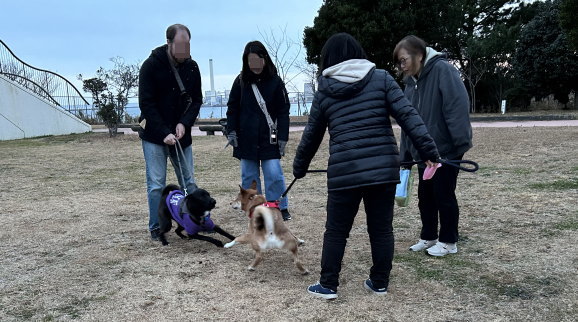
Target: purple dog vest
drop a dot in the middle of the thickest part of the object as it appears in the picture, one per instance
(174, 200)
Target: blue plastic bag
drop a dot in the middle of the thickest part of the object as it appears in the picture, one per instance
(404, 188)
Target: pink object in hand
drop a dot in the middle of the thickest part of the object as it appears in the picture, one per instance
(430, 171)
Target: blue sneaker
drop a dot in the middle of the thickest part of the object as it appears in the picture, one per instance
(323, 292)
(369, 286)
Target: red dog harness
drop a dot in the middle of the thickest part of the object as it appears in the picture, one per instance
(268, 204)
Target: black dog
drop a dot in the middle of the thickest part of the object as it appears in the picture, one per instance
(191, 214)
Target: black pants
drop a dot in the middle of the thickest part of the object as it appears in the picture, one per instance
(437, 199)
(342, 207)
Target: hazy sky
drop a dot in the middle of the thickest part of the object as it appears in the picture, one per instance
(72, 37)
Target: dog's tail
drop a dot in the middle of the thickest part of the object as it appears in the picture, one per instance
(169, 188)
(263, 219)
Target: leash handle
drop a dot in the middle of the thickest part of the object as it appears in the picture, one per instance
(471, 166)
(288, 188)
(177, 149)
(295, 179)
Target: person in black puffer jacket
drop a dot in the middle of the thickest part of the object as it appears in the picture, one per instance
(168, 115)
(355, 102)
(249, 131)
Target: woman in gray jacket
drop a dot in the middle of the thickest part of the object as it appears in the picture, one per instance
(355, 102)
(437, 92)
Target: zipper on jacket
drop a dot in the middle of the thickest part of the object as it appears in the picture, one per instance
(418, 98)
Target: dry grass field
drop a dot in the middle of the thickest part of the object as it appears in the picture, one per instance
(75, 245)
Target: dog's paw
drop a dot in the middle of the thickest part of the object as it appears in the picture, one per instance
(229, 244)
(251, 268)
(300, 242)
(305, 272)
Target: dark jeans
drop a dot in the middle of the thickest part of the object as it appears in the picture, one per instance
(437, 199)
(342, 207)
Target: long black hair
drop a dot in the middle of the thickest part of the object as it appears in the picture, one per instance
(269, 70)
(339, 48)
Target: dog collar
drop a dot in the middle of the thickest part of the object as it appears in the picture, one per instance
(271, 204)
(268, 204)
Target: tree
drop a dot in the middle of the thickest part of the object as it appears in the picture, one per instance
(284, 52)
(458, 28)
(110, 90)
(543, 58)
(568, 21)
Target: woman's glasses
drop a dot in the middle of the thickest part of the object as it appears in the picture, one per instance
(403, 61)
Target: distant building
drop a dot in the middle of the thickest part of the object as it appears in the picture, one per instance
(308, 91)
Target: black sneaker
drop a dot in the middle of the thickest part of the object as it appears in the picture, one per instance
(155, 234)
(286, 215)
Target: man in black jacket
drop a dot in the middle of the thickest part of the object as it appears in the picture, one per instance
(168, 111)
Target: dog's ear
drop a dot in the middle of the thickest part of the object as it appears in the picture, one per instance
(254, 185)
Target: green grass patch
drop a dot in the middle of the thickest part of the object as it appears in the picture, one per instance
(429, 268)
(522, 171)
(571, 224)
(528, 288)
(556, 185)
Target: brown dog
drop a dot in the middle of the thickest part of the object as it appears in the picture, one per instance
(266, 228)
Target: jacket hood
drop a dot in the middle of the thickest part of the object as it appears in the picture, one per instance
(346, 78)
(349, 71)
(160, 54)
(431, 57)
(431, 53)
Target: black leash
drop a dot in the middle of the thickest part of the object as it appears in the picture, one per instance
(295, 179)
(471, 165)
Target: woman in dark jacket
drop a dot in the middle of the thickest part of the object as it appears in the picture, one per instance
(259, 141)
(354, 103)
(439, 95)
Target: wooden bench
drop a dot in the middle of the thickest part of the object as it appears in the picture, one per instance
(210, 129)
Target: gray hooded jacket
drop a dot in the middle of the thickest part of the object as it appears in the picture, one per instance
(440, 97)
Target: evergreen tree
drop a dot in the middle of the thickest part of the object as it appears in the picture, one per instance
(543, 59)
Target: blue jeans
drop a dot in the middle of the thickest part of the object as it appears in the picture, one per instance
(156, 172)
(273, 175)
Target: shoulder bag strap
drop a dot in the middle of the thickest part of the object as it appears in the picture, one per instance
(177, 76)
(180, 82)
(261, 101)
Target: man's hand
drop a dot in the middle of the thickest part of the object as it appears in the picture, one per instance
(180, 131)
(170, 139)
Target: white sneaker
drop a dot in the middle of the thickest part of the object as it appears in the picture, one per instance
(423, 244)
(442, 249)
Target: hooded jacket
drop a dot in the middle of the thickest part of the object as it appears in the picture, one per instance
(245, 117)
(160, 99)
(440, 97)
(355, 102)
